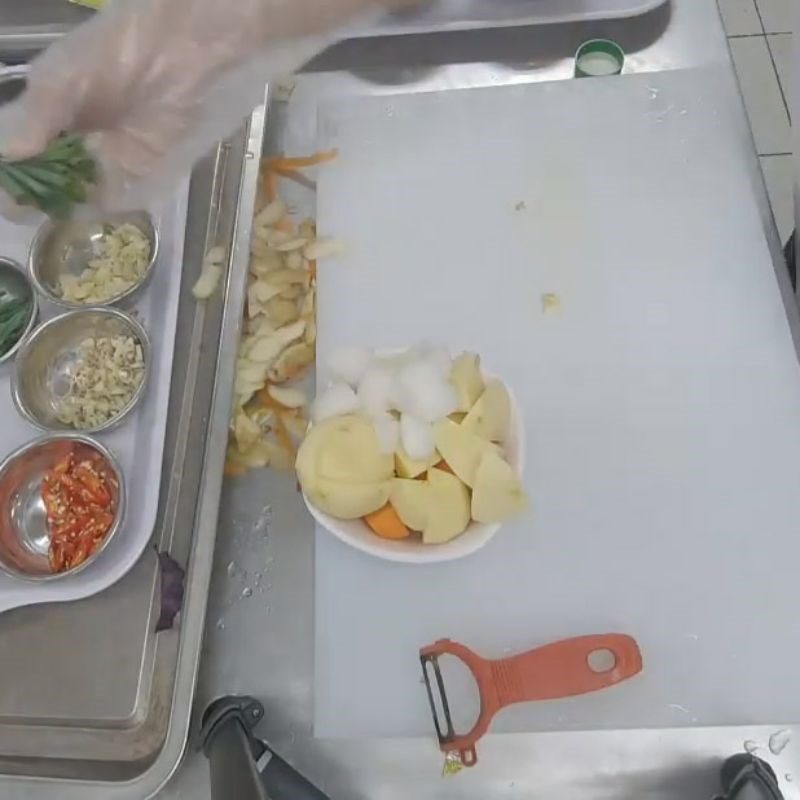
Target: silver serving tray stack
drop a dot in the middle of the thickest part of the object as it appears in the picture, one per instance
(88, 689)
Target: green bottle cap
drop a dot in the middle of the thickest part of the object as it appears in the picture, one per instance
(597, 58)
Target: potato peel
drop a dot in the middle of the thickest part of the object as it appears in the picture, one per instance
(279, 340)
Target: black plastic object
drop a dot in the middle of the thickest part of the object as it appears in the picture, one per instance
(242, 766)
(746, 776)
(789, 254)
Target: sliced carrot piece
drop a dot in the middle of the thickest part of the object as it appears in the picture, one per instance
(234, 470)
(264, 398)
(300, 162)
(282, 435)
(386, 523)
(270, 185)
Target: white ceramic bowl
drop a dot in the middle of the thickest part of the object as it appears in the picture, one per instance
(357, 534)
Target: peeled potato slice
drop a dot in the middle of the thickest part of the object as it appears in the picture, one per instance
(449, 506)
(497, 493)
(467, 380)
(348, 500)
(350, 452)
(411, 500)
(407, 467)
(460, 448)
(345, 450)
(490, 417)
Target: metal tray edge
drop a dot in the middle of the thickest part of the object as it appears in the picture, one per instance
(205, 529)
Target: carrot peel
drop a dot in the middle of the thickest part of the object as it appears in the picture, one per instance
(270, 186)
(294, 175)
(301, 162)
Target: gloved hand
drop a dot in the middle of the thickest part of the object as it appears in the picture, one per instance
(155, 83)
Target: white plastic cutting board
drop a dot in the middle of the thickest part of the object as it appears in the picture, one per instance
(662, 404)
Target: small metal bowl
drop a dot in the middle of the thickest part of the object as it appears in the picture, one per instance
(24, 535)
(14, 283)
(66, 248)
(48, 358)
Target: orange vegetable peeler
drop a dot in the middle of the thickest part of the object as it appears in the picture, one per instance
(560, 669)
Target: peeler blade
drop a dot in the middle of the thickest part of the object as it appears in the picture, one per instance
(449, 734)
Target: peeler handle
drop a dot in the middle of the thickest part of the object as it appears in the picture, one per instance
(565, 668)
(561, 669)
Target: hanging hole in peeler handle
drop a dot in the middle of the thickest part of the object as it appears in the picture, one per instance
(602, 660)
(469, 756)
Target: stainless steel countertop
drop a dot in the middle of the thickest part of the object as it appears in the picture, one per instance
(262, 644)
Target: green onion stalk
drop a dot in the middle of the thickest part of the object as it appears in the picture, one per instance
(54, 181)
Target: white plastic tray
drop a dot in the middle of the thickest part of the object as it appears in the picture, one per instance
(138, 443)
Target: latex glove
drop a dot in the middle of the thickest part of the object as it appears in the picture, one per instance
(155, 83)
(11, 122)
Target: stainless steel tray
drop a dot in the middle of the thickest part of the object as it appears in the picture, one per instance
(88, 692)
(36, 23)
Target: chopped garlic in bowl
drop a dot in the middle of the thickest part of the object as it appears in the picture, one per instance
(122, 254)
(84, 370)
(108, 373)
(93, 262)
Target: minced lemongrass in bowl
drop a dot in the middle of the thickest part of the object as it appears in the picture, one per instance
(110, 371)
(122, 255)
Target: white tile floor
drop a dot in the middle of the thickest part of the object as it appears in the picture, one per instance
(760, 36)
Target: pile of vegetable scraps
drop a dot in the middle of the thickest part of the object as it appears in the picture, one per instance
(279, 341)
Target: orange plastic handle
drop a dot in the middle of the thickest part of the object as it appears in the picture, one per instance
(560, 669)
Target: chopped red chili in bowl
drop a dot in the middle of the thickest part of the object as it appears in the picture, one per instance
(79, 497)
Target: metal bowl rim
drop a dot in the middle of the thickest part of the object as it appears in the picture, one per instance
(46, 227)
(14, 72)
(30, 342)
(12, 352)
(119, 517)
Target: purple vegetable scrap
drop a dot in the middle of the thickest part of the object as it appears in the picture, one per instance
(172, 575)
